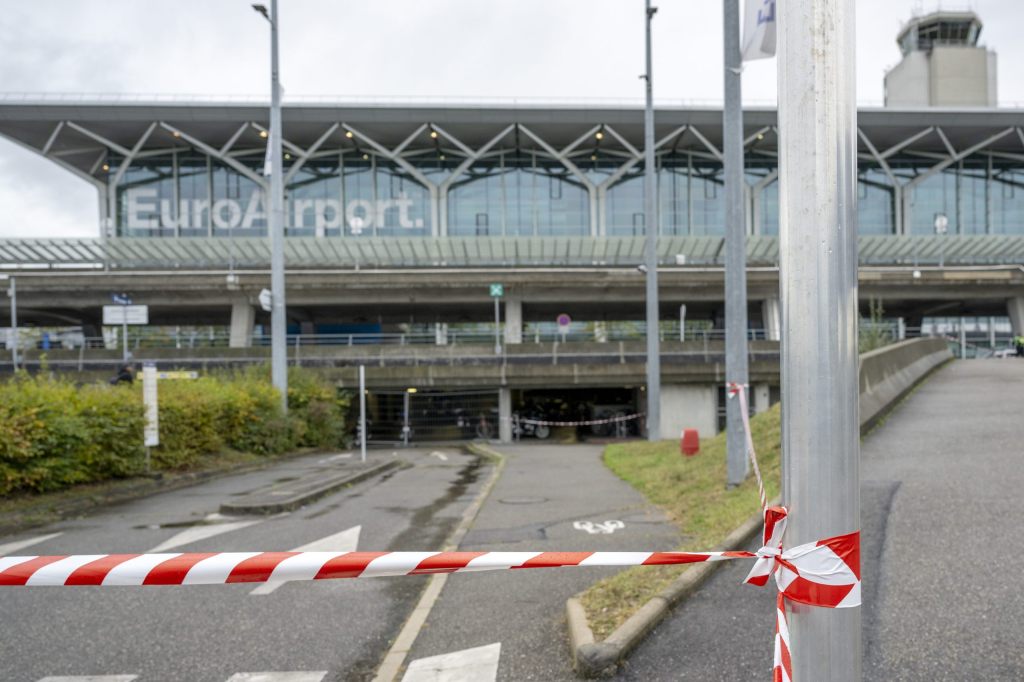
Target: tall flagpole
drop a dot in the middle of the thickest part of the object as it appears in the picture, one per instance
(278, 317)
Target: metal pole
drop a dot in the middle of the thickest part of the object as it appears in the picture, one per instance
(736, 369)
(124, 333)
(497, 327)
(818, 254)
(278, 319)
(963, 340)
(651, 248)
(13, 291)
(362, 413)
(682, 322)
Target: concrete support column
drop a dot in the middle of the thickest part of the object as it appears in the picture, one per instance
(441, 333)
(762, 398)
(688, 406)
(243, 316)
(513, 319)
(771, 314)
(505, 415)
(1015, 309)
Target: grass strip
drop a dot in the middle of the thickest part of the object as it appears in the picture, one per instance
(692, 491)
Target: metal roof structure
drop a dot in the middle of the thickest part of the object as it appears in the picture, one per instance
(428, 252)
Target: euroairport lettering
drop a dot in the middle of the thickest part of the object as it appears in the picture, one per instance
(146, 211)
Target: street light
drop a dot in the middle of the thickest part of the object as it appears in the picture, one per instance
(278, 318)
(651, 247)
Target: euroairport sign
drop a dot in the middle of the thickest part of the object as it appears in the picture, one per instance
(145, 210)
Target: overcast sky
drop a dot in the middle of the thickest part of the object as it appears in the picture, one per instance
(554, 49)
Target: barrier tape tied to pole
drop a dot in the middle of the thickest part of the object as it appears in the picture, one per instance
(588, 422)
(825, 573)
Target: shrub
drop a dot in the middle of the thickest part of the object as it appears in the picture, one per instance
(54, 433)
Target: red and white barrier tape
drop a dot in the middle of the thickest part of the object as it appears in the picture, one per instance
(825, 573)
(589, 422)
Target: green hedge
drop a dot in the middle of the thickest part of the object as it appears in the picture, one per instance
(54, 433)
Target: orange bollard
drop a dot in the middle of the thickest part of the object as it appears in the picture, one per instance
(689, 442)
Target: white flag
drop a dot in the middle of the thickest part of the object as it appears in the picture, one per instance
(759, 30)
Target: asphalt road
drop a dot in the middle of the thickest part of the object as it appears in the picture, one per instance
(544, 490)
(941, 522)
(211, 633)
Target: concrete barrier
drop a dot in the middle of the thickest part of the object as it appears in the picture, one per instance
(889, 373)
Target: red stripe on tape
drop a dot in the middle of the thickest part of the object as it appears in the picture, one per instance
(19, 575)
(173, 571)
(349, 565)
(445, 562)
(258, 568)
(94, 572)
(555, 559)
(668, 558)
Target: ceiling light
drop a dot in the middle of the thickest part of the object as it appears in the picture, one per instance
(348, 134)
(106, 166)
(593, 157)
(599, 135)
(760, 136)
(287, 155)
(433, 134)
(263, 134)
(441, 157)
(176, 133)
(366, 157)
(410, 390)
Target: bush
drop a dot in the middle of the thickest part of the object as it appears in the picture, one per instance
(54, 433)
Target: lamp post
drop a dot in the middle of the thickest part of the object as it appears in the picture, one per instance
(278, 318)
(651, 248)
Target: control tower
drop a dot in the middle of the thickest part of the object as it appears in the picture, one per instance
(942, 65)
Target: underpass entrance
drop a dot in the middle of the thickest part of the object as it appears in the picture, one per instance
(417, 415)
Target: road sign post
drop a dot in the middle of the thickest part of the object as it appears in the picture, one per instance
(362, 413)
(497, 291)
(818, 275)
(12, 292)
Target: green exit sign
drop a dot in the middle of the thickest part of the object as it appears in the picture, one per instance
(497, 290)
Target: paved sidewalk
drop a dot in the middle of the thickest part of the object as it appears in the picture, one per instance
(941, 522)
(542, 492)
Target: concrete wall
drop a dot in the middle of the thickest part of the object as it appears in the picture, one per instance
(888, 373)
(692, 406)
(945, 76)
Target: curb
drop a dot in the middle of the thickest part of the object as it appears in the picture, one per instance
(591, 658)
(125, 490)
(296, 501)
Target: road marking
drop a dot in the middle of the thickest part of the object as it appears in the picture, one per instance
(211, 527)
(469, 665)
(12, 547)
(345, 541)
(440, 455)
(599, 528)
(335, 458)
(298, 676)
(90, 678)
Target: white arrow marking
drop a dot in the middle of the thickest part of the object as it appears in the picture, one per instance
(345, 541)
(12, 547)
(470, 665)
(212, 527)
(440, 455)
(299, 676)
(335, 458)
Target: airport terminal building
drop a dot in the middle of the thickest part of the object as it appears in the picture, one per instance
(400, 215)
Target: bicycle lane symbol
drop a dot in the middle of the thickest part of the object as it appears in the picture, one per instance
(600, 527)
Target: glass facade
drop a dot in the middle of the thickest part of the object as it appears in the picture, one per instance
(517, 193)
